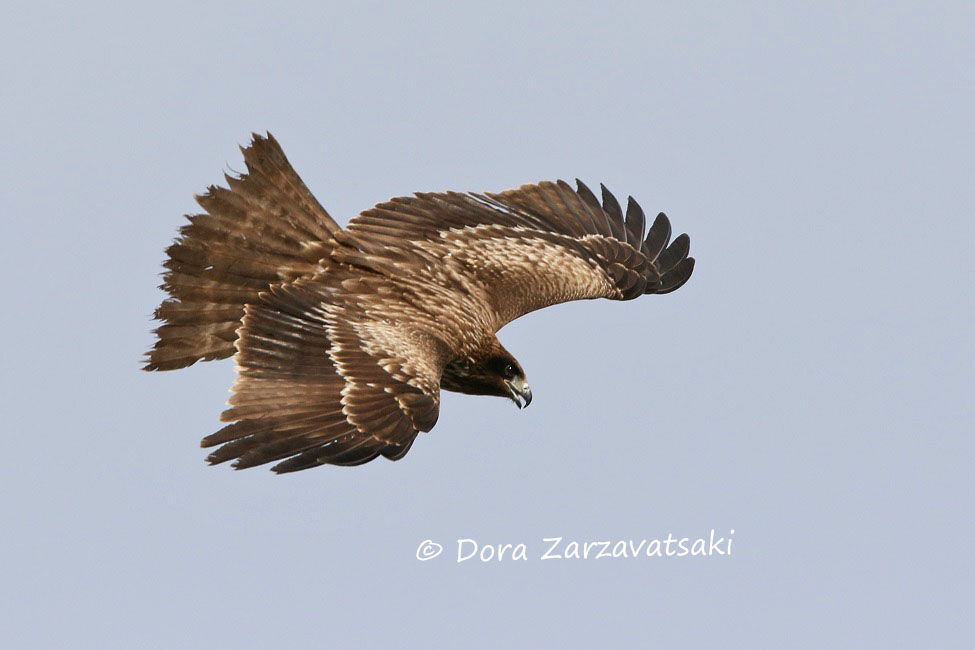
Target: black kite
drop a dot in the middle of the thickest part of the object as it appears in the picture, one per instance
(343, 339)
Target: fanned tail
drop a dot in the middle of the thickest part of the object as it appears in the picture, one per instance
(265, 227)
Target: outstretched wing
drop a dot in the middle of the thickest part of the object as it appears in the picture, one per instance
(319, 381)
(531, 247)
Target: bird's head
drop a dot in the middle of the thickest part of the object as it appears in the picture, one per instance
(493, 372)
(507, 375)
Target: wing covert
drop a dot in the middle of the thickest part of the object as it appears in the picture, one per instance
(314, 387)
(532, 247)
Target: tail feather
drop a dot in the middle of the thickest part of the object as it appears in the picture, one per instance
(267, 227)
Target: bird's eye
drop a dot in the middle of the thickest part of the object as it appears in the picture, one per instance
(509, 371)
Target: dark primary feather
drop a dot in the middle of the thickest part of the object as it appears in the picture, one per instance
(291, 399)
(657, 238)
(612, 208)
(341, 337)
(635, 222)
(546, 214)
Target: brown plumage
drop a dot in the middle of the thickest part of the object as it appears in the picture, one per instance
(344, 338)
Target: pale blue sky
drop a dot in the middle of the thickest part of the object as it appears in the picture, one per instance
(810, 387)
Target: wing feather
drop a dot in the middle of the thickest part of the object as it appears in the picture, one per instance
(657, 237)
(528, 248)
(676, 252)
(310, 388)
(615, 216)
(635, 222)
(592, 204)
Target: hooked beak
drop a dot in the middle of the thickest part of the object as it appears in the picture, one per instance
(520, 392)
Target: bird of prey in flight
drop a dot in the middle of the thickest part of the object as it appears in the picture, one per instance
(343, 339)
